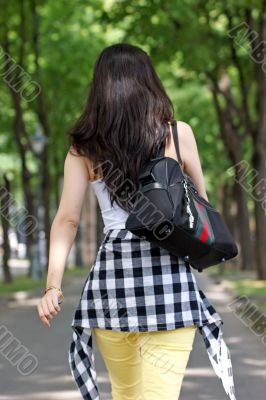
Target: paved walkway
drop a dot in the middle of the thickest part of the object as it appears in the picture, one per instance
(52, 379)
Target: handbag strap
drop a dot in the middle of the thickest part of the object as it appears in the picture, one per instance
(175, 136)
(173, 129)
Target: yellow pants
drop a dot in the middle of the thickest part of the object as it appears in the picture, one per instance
(145, 365)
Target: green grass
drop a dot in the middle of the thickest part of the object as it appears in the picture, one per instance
(23, 283)
(243, 282)
(255, 290)
(228, 271)
(20, 283)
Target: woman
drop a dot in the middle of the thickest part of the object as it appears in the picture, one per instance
(140, 303)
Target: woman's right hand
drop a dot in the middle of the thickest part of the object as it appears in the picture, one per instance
(48, 306)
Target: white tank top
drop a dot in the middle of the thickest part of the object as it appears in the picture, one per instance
(114, 217)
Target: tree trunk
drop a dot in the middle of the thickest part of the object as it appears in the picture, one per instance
(243, 222)
(260, 218)
(45, 176)
(226, 200)
(5, 217)
(20, 133)
(233, 144)
(259, 136)
(44, 121)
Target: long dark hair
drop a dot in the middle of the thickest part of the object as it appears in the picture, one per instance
(125, 118)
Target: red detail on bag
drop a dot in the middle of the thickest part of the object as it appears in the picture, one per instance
(205, 232)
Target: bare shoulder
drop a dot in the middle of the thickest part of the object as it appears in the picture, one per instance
(185, 132)
(76, 160)
(190, 156)
(187, 144)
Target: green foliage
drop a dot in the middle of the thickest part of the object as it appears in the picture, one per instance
(185, 41)
(188, 42)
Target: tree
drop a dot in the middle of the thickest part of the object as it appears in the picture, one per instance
(44, 51)
(4, 206)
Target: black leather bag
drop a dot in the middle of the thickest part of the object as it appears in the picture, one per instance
(169, 212)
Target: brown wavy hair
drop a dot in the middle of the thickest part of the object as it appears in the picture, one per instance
(125, 118)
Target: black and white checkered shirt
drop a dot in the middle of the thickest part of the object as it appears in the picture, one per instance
(136, 286)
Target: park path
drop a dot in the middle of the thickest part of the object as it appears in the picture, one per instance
(52, 379)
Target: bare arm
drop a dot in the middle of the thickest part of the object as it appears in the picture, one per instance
(190, 156)
(63, 231)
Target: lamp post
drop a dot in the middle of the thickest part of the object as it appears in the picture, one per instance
(38, 142)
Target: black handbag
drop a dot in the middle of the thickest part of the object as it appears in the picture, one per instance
(169, 212)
